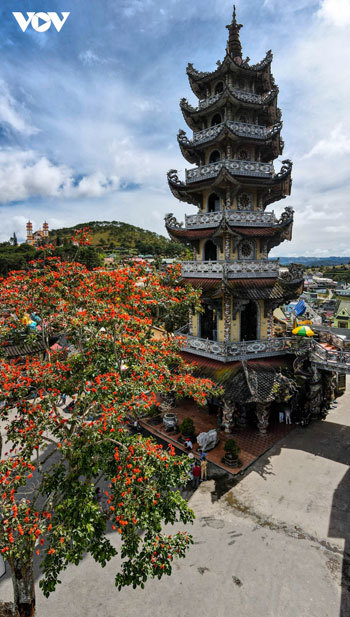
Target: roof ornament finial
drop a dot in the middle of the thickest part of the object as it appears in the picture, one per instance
(234, 47)
(234, 20)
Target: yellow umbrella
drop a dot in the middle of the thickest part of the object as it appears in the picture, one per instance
(303, 331)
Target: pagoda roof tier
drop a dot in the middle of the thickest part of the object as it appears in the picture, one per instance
(234, 222)
(225, 270)
(241, 218)
(240, 98)
(232, 172)
(266, 289)
(199, 80)
(268, 137)
(274, 289)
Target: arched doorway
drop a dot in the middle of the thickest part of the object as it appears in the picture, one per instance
(215, 156)
(208, 323)
(219, 87)
(210, 251)
(213, 203)
(216, 120)
(249, 322)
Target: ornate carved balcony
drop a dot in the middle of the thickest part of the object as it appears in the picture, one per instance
(246, 218)
(241, 95)
(245, 350)
(234, 166)
(229, 352)
(241, 129)
(262, 268)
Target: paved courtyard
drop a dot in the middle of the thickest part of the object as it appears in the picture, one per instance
(271, 546)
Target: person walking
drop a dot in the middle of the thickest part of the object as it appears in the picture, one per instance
(196, 472)
(204, 465)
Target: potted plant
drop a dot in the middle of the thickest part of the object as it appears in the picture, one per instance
(186, 427)
(232, 451)
(154, 415)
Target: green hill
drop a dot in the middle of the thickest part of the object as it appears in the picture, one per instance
(123, 239)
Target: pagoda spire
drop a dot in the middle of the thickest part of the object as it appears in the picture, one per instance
(234, 47)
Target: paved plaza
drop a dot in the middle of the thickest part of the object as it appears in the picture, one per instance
(271, 546)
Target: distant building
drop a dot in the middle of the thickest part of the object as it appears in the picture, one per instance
(36, 237)
(342, 313)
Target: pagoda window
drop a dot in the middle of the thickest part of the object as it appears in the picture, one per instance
(215, 156)
(217, 119)
(246, 250)
(245, 201)
(244, 155)
(214, 203)
(243, 118)
(219, 88)
(210, 251)
(249, 322)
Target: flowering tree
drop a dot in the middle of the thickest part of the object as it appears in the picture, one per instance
(100, 352)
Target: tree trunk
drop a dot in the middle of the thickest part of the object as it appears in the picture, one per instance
(23, 588)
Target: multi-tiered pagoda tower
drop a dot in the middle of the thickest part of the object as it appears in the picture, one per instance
(236, 137)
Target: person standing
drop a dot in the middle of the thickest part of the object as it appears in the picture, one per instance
(288, 412)
(204, 465)
(196, 472)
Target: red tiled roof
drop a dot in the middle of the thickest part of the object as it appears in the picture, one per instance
(256, 231)
(191, 234)
(204, 284)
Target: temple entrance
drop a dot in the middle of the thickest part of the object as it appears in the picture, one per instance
(214, 203)
(210, 251)
(208, 323)
(249, 322)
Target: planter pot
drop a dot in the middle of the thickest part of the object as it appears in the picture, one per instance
(231, 460)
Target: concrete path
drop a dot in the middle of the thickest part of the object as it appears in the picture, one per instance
(270, 547)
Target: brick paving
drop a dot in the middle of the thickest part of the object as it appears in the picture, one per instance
(251, 443)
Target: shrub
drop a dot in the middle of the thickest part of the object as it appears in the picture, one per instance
(232, 448)
(187, 427)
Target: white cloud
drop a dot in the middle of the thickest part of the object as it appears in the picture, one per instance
(295, 5)
(11, 113)
(89, 57)
(32, 175)
(337, 144)
(336, 12)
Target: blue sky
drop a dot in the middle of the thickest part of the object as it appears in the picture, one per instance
(89, 115)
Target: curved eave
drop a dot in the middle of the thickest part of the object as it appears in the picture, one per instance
(265, 289)
(180, 191)
(198, 79)
(191, 151)
(280, 186)
(186, 235)
(193, 114)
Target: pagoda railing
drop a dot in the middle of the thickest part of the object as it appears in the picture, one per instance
(234, 166)
(249, 268)
(243, 129)
(335, 361)
(242, 95)
(229, 352)
(249, 218)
